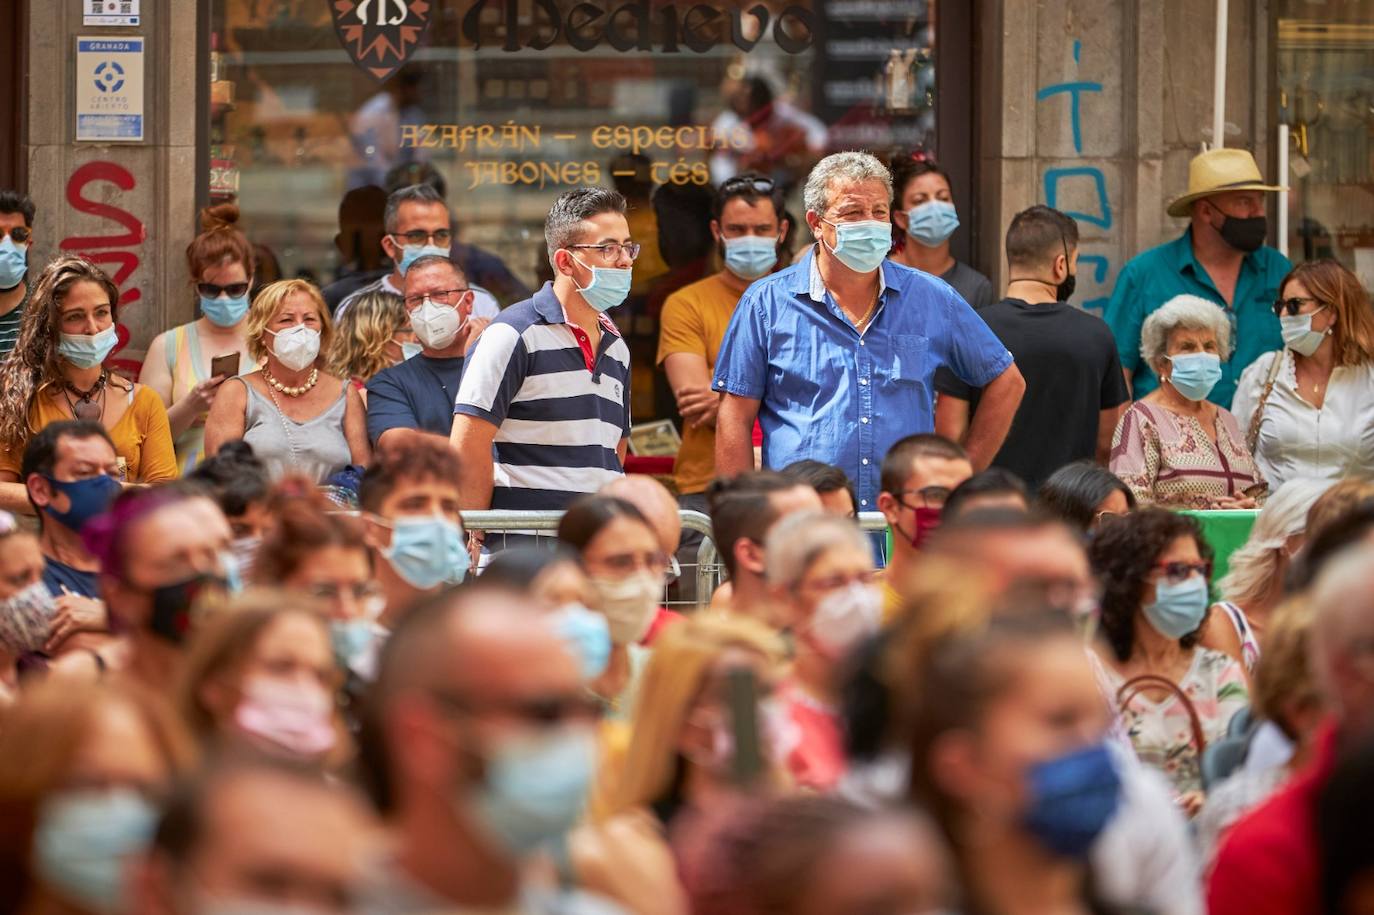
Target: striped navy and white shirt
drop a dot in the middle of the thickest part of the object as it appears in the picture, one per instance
(560, 410)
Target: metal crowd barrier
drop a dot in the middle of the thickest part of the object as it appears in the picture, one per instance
(707, 572)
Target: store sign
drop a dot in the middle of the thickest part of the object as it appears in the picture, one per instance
(380, 34)
(109, 90)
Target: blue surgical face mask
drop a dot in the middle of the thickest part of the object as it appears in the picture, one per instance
(14, 263)
(534, 786)
(1178, 609)
(1072, 797)
(608, 288)
(750, 256)
(88, 498)
(861, 246)
(222, 311)
(412, 253)
(588, 637)
(1195, 374)
(352, 641)
(427, 552)
(932, 223)
(1298, 334)
(86, 840)
(87, 350)
(411, 350)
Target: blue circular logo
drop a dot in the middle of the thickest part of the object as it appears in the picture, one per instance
(109, 76)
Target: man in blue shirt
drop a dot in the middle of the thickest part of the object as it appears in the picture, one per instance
(418, 393)
(835, 356)
(1221, 257)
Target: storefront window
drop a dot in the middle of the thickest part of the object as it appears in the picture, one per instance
(510, 102)
(1326, 97)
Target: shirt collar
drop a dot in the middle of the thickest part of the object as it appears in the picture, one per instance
(811, 284)
(388, 286)
(551, 311)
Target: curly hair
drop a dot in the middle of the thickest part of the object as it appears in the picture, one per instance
(1122, 555)
(362, 334)
(33, 365)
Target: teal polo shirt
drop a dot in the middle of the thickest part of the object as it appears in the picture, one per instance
(1155, 276)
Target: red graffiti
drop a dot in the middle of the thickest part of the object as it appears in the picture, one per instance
(95, 248)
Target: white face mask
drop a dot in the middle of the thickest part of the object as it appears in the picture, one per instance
(297, 347)
(435, 325)
(629, 604)
(1298, 334)
(845, 617)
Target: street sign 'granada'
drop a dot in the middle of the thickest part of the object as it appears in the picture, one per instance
(380, 34)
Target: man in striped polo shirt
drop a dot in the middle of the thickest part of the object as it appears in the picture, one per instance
(16, 238)
(548, 383)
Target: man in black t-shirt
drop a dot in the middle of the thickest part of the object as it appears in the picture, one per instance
(1074, 385)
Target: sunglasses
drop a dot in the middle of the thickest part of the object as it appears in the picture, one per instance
(19, 234)
(760, 185)
(233, 290)
(540, 710)
(1294, 305)
(932, 496)
(1182, 571)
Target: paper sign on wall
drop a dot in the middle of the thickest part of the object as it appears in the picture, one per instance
(110, 12)
(109, 90)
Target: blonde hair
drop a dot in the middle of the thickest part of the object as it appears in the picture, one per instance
(269, 301)
(1254, 565)
(1283, 677)
(682, 660)
(363, 333)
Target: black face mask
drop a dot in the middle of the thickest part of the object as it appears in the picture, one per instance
(1065, 289)
(1244, 234)
(171, 617)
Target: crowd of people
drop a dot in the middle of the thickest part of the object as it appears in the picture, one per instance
(258, 652)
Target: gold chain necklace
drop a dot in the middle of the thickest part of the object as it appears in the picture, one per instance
(868, 315)
(288, 391)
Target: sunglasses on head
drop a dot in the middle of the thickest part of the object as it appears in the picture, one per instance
(233, 290)
(760, 185)
(1292, 306)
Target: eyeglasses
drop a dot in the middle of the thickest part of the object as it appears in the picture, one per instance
(739, 182)
(838, 581)
(1177, 572)
(1294, 305)
(546, 711)
(932, 496)
(233, 290)
(442, 238)
(613, 250)
(443, 297)
(363, 593)
(19, 234)
(629, 563)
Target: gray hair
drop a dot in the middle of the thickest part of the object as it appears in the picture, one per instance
(435, 260)
(563, 225)
(844, 166)
(1254, 565)
(415, 193)
(796, 542)
(1189, 312)
(1343, 616)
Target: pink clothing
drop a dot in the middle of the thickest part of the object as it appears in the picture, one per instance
(816, 758)
(1168, 459)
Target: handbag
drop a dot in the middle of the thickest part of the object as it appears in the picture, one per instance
(1252, 434)
(1137, 685)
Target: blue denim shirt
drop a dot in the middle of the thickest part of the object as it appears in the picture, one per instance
(1155, 276)
(831, 394)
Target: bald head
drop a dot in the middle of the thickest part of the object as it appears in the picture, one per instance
(655, 502)
(1343, 638)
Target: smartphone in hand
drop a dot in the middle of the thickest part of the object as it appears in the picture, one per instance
(226, 365)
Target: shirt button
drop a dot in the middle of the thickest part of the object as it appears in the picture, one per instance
(864, 462)
(863, 501)
(861, 343)
(863, 381)
(863, 419)
(720, 384)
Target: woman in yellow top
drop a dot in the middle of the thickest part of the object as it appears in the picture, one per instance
(178, 364)
(56, 372)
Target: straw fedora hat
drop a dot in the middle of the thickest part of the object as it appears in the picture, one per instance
(1217, 171)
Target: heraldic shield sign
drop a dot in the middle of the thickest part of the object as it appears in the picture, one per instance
(380, 34)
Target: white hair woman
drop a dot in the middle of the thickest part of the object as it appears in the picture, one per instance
(1253, 586)
(1172, 447)
(820, 574)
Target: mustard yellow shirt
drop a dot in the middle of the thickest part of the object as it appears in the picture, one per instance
(142, 436)
(694, 321)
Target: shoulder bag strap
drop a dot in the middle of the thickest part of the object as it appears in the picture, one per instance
(1252, 434)
(1137, 685)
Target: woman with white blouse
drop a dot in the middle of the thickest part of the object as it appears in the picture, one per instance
(1308, 409)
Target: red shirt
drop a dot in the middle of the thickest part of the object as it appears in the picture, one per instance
(1268, 863)
(662, 620)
